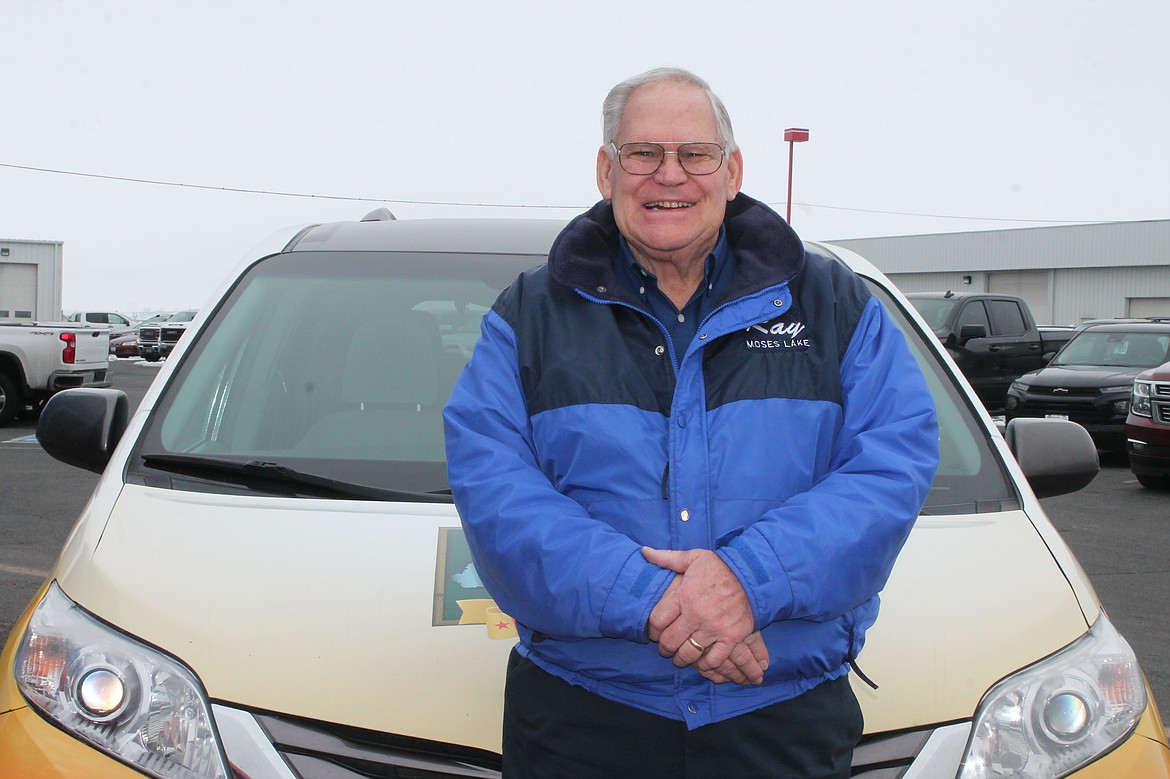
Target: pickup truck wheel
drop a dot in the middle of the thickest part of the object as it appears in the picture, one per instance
(150, 357)
(32, 411)
(10, 400)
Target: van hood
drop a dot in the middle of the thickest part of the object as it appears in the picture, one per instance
(323, 609)
(346, 611)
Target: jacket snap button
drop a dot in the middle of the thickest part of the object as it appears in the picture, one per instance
(702, 336)
(601, 289)
(692, 708)
(684, 515)
(660, 350)
(778, 303)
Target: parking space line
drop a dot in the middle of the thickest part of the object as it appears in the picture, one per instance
(19, 571)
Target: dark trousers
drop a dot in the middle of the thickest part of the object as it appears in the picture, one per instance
(554, 729)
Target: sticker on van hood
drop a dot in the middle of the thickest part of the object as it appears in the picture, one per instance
(460, 597)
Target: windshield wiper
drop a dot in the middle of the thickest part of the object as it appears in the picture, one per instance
(264, 474)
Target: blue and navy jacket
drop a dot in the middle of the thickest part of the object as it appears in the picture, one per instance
(796, 437)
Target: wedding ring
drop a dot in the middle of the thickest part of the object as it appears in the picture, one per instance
(696, 644)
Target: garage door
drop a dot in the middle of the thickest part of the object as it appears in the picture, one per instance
(1032, 286)
(18, 290)
(1148, 307)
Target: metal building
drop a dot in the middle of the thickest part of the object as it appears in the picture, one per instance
(1068, 274)
(30, 280)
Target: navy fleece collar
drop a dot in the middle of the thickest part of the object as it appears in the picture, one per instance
(767, 250)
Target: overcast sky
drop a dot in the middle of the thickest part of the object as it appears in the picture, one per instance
(925, 117)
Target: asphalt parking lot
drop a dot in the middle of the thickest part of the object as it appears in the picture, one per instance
(1119, 531)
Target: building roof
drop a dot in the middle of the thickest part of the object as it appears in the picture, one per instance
(1031, 248)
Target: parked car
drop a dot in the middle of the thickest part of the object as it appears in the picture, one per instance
(124, 345)
(1090, 381)
(173, 329)
(271, 580)
(40, 358)
(118, 324)
(993, 338)
(154, 319)
(156, 341)
(148, 342)
(1124, 320)
(1147, 429)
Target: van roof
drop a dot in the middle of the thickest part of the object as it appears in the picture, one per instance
(503, 236)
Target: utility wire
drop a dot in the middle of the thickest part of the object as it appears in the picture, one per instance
(271, 192)
(244, 190)
(945, 216)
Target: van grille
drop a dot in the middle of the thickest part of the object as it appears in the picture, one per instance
(317, 750)
(888, 755)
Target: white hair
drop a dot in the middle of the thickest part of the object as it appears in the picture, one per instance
(615, 103)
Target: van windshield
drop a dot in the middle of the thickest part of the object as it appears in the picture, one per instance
(325, 375)
(336, 365)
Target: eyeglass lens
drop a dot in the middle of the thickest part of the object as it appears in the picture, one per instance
(698, 159)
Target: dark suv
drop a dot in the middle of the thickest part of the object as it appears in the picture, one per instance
(1090, 380)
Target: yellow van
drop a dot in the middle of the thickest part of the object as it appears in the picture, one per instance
(270, 580)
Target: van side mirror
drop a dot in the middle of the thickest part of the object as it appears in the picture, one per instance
(82, 426)
(1056, 455)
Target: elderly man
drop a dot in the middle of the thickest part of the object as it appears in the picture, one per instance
(686, 453)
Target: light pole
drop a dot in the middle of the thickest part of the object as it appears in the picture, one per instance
(793, 135)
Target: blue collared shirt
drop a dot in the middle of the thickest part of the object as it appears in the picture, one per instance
(682, 324)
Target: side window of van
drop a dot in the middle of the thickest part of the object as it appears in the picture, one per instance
(970, 478)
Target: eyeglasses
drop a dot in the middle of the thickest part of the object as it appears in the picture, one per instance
(645, 157)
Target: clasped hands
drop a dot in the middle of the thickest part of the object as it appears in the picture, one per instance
(704, 618)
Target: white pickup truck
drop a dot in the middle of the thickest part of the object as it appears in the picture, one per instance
(39, 359)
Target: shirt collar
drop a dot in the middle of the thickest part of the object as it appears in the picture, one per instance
(715, 260)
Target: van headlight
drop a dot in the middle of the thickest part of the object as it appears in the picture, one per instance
(123, 697)
(1060, 714)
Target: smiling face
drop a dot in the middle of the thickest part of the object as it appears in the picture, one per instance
(670, 215)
